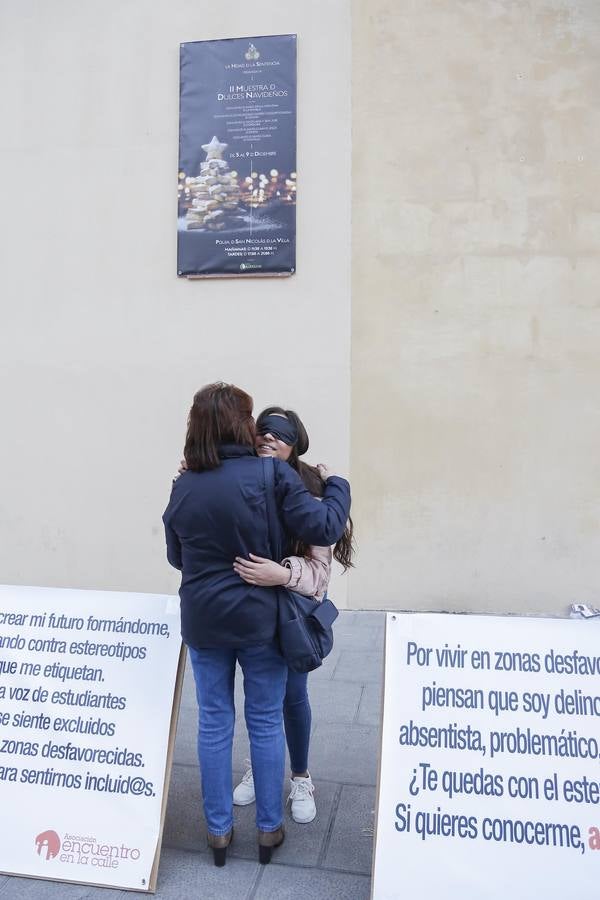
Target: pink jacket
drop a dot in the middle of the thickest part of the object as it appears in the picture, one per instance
(311, 573)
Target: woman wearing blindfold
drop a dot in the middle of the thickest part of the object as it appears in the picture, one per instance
(216, 514)
(281, 434)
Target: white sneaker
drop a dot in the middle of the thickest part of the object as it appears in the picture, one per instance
(303, 805)
(243, 794)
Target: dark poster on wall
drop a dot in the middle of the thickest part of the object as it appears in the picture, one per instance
(237, 158)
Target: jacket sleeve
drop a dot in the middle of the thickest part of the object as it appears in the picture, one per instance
(173, 542)
(321, 522)
(310, 574)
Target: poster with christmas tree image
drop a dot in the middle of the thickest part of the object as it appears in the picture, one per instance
(220, 197)
(214, 195)
(237, 153)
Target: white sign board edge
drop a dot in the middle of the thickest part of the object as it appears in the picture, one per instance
(502, 865)
(173, 682)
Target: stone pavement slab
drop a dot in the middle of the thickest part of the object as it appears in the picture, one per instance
(351, 844)
(346, 754)
(185, 828)
(369, 710)
(39, 889)
(362, 666)
(337, 704)
(286, 883)
(192, 875)
(109, 894)
(354, 637)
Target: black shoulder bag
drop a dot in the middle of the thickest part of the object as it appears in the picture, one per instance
(303, 624)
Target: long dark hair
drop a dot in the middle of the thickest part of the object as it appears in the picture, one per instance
(345, 548)
(220, 414)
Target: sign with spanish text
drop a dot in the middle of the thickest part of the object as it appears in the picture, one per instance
(89, 691)
(237, 157)
(490, 766)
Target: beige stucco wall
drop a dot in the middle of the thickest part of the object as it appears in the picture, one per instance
(476, 304)
(101, 347)
(475, 273)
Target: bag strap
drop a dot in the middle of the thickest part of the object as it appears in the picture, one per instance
(272, 519)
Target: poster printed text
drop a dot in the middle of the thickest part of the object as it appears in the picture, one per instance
(86, 694)
(490, 775)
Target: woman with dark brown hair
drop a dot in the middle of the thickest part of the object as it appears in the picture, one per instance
(217, 513)
(281, 434)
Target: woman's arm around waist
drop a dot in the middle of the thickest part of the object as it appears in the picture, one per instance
(308, 575)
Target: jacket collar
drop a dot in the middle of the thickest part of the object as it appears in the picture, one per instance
(232, 451)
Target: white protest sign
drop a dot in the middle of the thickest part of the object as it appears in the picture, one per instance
(87, 685)
(490, 769)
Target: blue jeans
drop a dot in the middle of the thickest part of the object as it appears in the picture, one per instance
(265, 675)
(297, 718)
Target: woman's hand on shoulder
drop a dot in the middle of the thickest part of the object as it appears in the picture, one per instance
(326, 471)
(261, 571)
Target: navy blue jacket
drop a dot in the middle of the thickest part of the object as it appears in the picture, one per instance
(216, 515)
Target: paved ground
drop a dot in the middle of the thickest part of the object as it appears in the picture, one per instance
(331, 857)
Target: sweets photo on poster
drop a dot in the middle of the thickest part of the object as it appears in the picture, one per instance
(220, 198)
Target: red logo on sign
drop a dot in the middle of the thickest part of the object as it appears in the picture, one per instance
(48, 841)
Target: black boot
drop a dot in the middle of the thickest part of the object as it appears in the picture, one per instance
(267, 842)
(219, 844)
